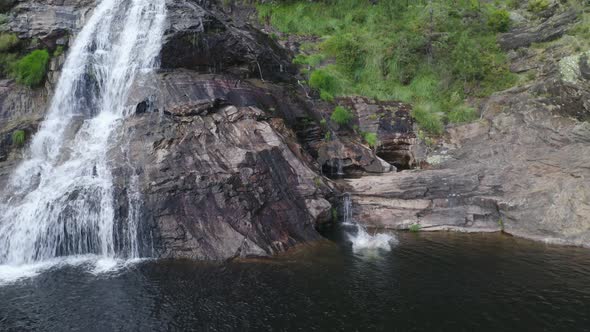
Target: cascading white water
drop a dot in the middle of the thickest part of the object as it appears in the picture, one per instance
(360, 238)
(59, 201)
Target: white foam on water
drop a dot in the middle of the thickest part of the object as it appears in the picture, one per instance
(360, 238)
(92, 264)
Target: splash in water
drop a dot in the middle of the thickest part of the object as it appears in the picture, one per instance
(359, 236)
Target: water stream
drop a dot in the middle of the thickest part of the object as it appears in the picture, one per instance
(59, 201)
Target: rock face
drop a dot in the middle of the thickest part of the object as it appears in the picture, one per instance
(218, 177)
(207, 41)
(392, 123)
(52, 21)
(221, 184)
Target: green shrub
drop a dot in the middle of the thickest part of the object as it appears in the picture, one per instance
(348, 53)
(462, 114)
(415, 228)
(537, 6)
(8, 41)
(324, 82)
(341, 115)
(467, 59)
(428, 118)
(371, 139)
(18, 138)
(499, 20)
(313, 60)
(31, 69)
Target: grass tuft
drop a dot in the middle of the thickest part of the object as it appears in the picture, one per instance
(31, 69)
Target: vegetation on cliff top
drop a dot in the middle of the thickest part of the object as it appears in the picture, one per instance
(434, 54)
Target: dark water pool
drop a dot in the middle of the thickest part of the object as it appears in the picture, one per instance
(428, 282)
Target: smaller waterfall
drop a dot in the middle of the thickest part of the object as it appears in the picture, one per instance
(358, 235)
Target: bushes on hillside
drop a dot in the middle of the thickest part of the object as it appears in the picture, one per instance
(428, 117)
(423, 52)
(499, 20)
(537, 6)
(325, 83)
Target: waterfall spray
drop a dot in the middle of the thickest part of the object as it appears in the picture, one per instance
(358, 235)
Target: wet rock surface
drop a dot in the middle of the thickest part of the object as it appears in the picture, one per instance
(221, 185)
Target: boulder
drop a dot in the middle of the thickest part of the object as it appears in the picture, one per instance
(553, 28)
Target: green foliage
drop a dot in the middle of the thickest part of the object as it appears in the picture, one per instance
(499, 20)
(323, 81)
(415, 228)
(393, 50)
(341, 116)
(347, 51)
(18, 138)
(467, 63)
(31, 69)
(313, 60)
(428, 118)
(371, 139)
(537, 6)
(462, 114)
(8, 41)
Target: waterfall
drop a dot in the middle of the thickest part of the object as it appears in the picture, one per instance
(59, 201)
(358, 234)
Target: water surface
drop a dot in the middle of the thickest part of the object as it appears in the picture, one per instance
(427, 282)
